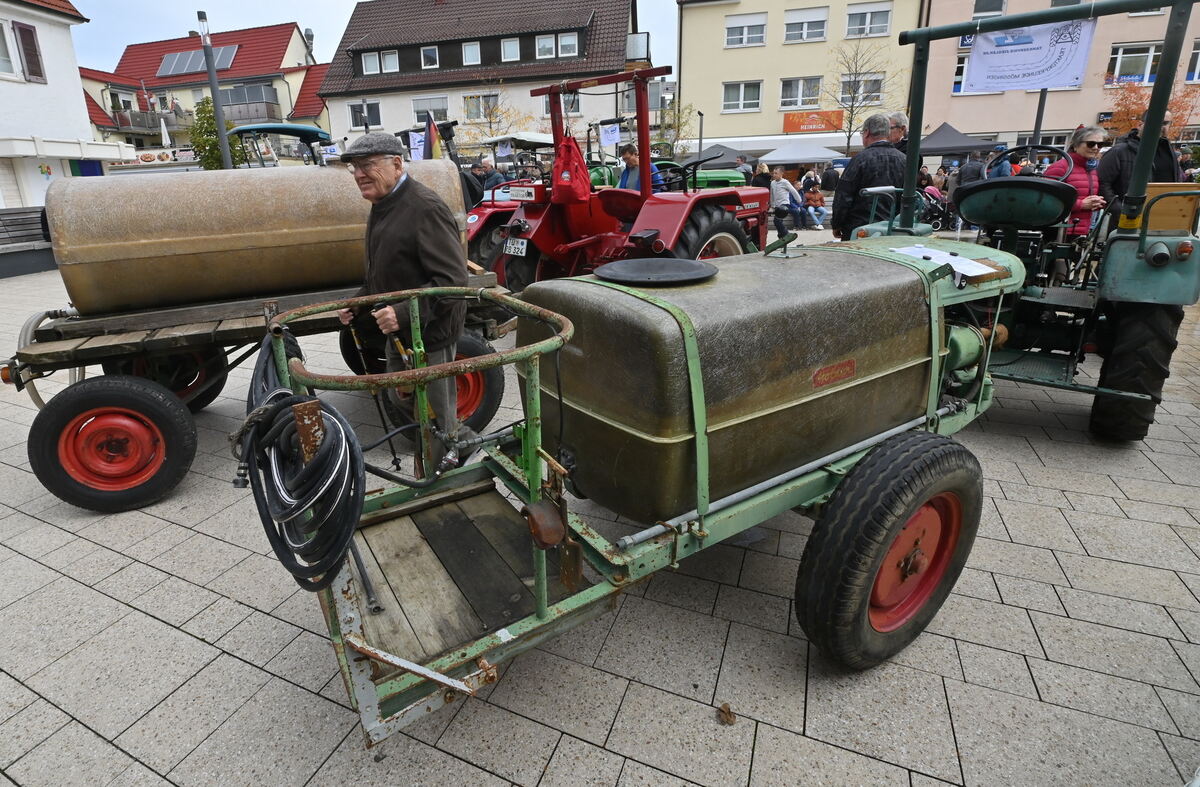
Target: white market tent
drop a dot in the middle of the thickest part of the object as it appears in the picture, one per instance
(523, 140)
(799, 153)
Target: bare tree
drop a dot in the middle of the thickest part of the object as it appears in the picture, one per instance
(861, 77)
(490, 113)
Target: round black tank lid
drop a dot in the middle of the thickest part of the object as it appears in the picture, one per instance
(656, 271)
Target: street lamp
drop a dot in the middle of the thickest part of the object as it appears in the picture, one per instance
(214, 87)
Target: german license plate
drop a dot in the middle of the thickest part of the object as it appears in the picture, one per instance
(515, 246)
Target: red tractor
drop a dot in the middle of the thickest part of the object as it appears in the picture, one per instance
(547, 239)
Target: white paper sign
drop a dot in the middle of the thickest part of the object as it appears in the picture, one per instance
(504, 148)
(610, 134)
(416, 145)
(1030, 58)
(962, 265)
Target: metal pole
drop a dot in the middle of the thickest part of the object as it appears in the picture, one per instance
(642, 102)
(215, 89)
(699, 149)
(916, 122)
(1037, 119)
(1152, 130)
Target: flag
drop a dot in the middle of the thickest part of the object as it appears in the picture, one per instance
(416, 145)
(433, 140)
(610, 134)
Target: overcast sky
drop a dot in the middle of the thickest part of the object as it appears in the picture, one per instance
(116, 23)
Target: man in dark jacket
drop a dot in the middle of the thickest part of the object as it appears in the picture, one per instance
(413, 241)
(878, 164)
(1116, 166)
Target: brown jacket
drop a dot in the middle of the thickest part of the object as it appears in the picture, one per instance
(413, 241)
(814, 199)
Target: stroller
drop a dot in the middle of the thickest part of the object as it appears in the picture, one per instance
(938, 211)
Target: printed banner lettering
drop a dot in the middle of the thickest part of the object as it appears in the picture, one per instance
(610, 134)
(1030, 58)
(416, 145)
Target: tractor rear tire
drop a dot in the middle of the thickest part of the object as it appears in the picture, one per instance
(482, 247)
(112, 443)
(867, 586)
(711, 232)
(1139, 361)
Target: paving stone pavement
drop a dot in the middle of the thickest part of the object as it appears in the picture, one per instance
(167, 646)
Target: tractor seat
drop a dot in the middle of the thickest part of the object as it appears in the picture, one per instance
(624, 205)
(1016, 201)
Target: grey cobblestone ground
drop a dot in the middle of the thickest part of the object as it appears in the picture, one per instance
(166, 645)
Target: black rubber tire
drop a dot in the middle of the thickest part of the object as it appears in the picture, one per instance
(151, 401)
(483, 246)
(706, 222)
(372, 351)
(1139, 361)
(850, 540)
(198, 362)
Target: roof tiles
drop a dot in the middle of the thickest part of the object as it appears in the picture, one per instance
(98, 116)
(308, 103)
(63, 7)
(260, 51)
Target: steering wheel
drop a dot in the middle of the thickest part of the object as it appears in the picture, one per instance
(1058, 152)
(681, 174)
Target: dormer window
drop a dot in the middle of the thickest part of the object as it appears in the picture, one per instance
(370, 63)
(568, 44)
(545, 47)
(429, 57)
(470, 53)
(510, 49)
(390, 61)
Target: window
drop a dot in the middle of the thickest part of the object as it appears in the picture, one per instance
(568, 44)
(570, 104)
(804, 24)
(162, 103)
(197, 95)
(985, 8)
(1194, 63)
(436, 106)
(1049, 140)
(372, 114)
(862, 89)
(802, 93)
(659, 96)
(1151, 12)
(370, 63)
(510, 49)
(6, 60)
(249, 94)
(470, 51)
(429, 57)
(1133, 63)
(742, 97)
(1060, 3)
(960, 73)
(868, 19)
(544, 47)
(480, 107)
(390, 61)
(31, 55)
(745, 30)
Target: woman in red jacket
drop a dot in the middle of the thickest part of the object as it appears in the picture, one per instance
(1084, 151)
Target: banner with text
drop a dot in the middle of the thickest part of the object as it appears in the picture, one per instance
(824, 120)
(1029, 58)
(610, 134)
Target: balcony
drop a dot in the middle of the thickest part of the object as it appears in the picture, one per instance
(253, 112)
(136, 121)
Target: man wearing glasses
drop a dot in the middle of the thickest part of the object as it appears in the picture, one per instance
(412, 241)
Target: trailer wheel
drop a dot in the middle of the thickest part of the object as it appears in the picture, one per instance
(1138, 360)
(180, 372)
(888, 548)
(112, 443)
(711, 232)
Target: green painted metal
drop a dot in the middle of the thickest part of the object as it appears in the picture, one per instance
(1125, 275)
(695, 381)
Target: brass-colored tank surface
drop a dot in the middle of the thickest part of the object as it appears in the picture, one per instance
(145, 241)
(799, 358)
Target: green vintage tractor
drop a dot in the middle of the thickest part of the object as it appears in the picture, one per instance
(1119, 294)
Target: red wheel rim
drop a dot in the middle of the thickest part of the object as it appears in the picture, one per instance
(111, 449)
(916, 562)
(470, 389)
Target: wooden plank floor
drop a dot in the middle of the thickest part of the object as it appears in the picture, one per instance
(447, 575)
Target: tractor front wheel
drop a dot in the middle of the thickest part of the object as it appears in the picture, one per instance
(711, 232)
(1138, 360)
(112, 443)
(888, 548)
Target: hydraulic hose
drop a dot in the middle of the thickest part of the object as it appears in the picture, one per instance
(309, 510)
(25, 338)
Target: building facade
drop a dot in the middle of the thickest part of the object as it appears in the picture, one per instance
(265, 75)
(764, 71)
(44, 128)
(475, 62)
(1125, 50)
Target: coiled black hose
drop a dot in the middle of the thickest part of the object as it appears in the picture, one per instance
(309, 510)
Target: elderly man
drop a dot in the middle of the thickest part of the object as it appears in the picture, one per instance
(492, 179)
(413, 241)
(898, 131)
(877, 164)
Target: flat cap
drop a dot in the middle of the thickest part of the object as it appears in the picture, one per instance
(374, 144)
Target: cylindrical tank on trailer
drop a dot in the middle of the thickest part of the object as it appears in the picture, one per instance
(799, 358)
(145, 241)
